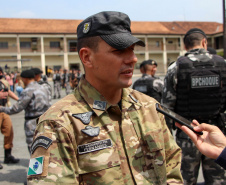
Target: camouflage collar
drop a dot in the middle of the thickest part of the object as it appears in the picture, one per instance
(96, 101)
(92, 97)
(129, 99)
(196, 51)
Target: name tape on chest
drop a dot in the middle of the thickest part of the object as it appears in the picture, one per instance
(94, 146)
(205, 81)
(42, 141)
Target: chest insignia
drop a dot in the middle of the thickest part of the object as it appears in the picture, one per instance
(94, 146)
(84, 117)
(100, 105)
(91, 131)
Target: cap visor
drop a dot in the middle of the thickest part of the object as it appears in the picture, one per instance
(121, 40)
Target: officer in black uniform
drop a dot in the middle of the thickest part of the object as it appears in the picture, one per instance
(195, 87)
(148, 83)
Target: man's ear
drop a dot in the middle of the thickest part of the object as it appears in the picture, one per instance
(85, 56)
(204, 43)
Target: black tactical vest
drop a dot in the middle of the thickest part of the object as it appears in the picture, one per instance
(201, 87)
(145, 85)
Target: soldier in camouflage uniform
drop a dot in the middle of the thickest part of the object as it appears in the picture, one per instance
(148, 84)
(195, 87)
(45, 84)
(104, 133)
(33, 100)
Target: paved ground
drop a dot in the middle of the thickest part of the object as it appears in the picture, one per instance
(15, 174)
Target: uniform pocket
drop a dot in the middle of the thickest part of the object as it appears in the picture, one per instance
(155, 156)
(100, 167)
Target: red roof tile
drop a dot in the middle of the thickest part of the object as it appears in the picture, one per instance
(60, 26)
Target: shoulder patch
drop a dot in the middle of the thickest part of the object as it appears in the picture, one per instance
(35, 166)
(42, 141)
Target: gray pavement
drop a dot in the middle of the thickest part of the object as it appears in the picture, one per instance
(15, 174)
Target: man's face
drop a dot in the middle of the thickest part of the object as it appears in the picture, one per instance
(25, 81)
(111, 67)
(153, 70)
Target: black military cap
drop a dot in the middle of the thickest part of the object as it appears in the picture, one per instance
(143, 63)
(27, 74)
(113, 27)
(195, 30)
(152, 62)
(37, 71)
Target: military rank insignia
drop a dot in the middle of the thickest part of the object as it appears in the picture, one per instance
(35, 166)
(100, 105)
(134, 99)
(84, 117)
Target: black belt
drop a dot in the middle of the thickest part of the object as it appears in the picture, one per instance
(31, 117)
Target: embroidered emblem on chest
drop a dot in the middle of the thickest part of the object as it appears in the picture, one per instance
(91, 131)
(84, 117)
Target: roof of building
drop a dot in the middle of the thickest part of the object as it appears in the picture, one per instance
(63, 26)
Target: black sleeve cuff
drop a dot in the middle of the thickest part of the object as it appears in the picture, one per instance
(221, 160)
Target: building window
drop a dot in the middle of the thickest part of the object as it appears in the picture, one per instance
(170, 42)
(72, 45)
(178, 42)
(3, 45)
(25, 44)
(54, 44)
(157, 43)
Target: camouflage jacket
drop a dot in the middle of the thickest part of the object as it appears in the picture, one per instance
(33, 100)
(48, 88)
(82, 139)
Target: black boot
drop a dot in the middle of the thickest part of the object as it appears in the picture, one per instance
(9, 158)
(1, 166)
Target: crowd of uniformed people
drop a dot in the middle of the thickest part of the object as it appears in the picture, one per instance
(194, 87)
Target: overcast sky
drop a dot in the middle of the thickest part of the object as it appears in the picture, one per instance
(138, 10)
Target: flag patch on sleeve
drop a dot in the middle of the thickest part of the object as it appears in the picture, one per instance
(35, 166)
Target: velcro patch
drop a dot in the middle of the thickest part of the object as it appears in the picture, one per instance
(42, 141)
(35, 166)
(94, 146)
(205, 81)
